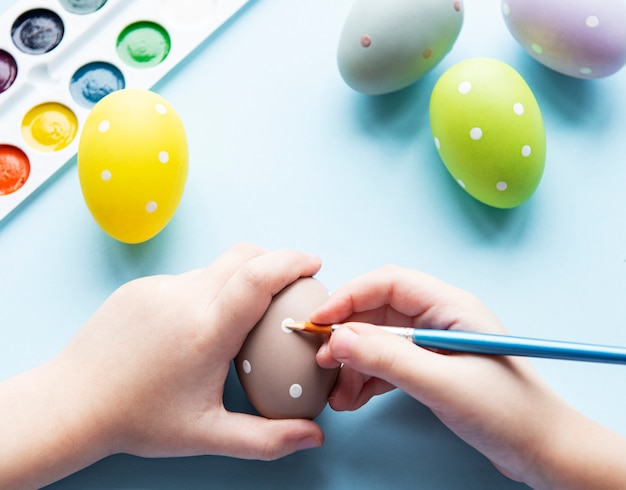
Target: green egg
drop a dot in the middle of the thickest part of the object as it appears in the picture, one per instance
(489, 132)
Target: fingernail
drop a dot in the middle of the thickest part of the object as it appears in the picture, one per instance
(307, 443)
(342, 341)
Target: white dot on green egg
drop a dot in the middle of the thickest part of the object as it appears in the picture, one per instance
(501, 186)
(476, 133)
(592, 21)
(518, 108)
(461, 183)
(437, 143)
(536, 48)
(526, 150)
(164, 157)
(106, 175)
(465, 87)
(151, 206)
(585, 71)
(160, 108)
(104, 126)
(246, 366)
(295, 390)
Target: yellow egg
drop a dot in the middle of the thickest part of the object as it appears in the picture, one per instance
(132, 164)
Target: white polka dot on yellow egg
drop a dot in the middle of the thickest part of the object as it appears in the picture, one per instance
(104, 126)
(164, 157)
(106, 175)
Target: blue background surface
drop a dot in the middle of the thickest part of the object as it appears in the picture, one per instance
(284, 154)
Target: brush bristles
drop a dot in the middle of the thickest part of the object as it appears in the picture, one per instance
(309, 327)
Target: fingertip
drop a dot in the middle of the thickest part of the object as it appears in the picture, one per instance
(324, 357)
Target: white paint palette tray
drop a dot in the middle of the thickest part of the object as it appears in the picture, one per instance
(58, 60)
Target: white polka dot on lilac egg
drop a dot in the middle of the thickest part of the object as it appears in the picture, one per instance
(465, 87)
(476, 133)
(502, 186)
(526, 150)
(585, 71)
(164, 157)
(518, 108)
(295, 390)
(106, 175)
(506, 9)
(104, 126)
(151, 206)
(160, 108)
(246, 366)
(592, 21)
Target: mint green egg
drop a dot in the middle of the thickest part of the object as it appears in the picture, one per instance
(386, 45)
(489, 131)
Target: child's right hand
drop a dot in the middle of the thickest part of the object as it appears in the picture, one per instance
(499, 405)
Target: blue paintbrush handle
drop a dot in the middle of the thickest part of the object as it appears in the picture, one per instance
(504, 345)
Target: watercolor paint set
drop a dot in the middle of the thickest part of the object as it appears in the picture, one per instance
(59, 58)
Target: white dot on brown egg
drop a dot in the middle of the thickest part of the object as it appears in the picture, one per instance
(246, 366)
(164, 157)
(160, 108)
(476, 133)
(104, 126)
(151, 206)
(284, 326)
(106, 175)
(295, 390)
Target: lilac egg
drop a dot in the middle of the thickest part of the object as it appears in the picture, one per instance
(579, 38)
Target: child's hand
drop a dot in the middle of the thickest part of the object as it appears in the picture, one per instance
(499, 405)
(146, 375)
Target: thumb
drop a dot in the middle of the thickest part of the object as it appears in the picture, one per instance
(251, 437)
(374, 352)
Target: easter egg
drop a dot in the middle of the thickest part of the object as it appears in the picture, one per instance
(489, 132)
(579, 38)
(276, 366)
(386, 45)
(132, 163)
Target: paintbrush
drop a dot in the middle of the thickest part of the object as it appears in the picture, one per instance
(491, 344)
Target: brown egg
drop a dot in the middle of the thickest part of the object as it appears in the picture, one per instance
(277, 367)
